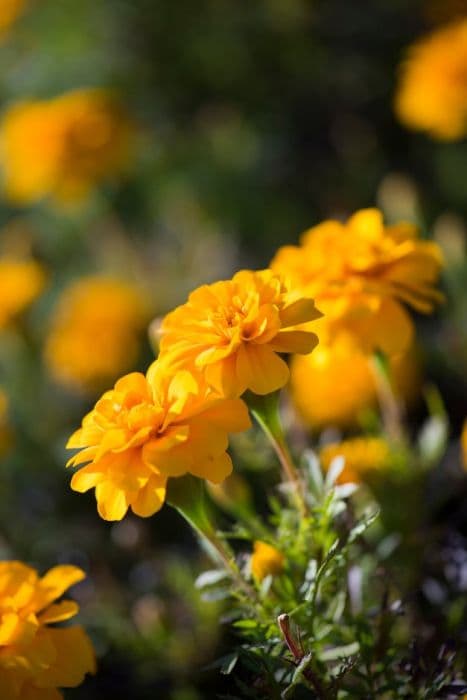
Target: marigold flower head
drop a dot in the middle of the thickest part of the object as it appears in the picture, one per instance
(95, 332)
(37, 659)
(63, 147)
(266, 561)
(9, 12)
(232, 332)
(361, 455)
(147, 429)
(360, 274)
(335, 384)
(432, 91)
(21, 282)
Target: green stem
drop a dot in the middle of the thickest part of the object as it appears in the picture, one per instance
(390, 407)
(186, 495)
(265, 409)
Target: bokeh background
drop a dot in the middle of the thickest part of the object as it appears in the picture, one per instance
(248, 123)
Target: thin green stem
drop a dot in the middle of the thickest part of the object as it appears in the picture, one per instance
(265, 410)
(391, 409)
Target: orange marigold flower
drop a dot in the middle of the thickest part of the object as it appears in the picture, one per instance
(359, 273)
(231, 331)
(9, 12)
(266, 561)
(335, 384)
(432, 91)
(95, 332)
(21, 282)
(36, 659)
(63, 147)
(361, 456)
(149, 428)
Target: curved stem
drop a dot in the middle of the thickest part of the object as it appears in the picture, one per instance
(390, 407)
(266, 412)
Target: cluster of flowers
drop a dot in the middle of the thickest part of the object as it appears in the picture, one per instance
(227, 339)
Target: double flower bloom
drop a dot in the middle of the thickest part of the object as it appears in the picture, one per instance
(228, 337)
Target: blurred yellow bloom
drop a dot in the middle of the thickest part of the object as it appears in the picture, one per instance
(37, 659)
(335, 385)
(232, 330)
(63, 147)
(359, 273)
(149, 428)
(464, 444)
(5, 431)
(266, 561)
(9, 11)
(361, 456)
(95, 332)
(21, 282)
(432, 91)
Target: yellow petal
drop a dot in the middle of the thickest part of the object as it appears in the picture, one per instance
(112, 502)
(151, 498)
(300, 342)
(58, 612)
(301, 311)
(260, 369)
(57, 580)
(74, 658)
(214, 469)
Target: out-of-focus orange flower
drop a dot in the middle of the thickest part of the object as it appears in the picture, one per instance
(149, 428)
(5, 430)
(63, 147)
(9, 12)
(464, 444)
(95, 332)
(432, 91)
(232, 332)
(266, 561)
(335, 385)
(21, 282)
(361, 455)
(37, 659)
(360, 274)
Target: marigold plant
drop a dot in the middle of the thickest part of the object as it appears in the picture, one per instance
(432, 90)
(94, 332)
(63, 147)
(37, 659)
(232, 332)
(361, 273)
(21, 282)
(147, 429)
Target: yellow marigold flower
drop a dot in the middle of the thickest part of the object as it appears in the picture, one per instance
(359, 273)
(21, 282)
(9, 12)
(63, 147)
(266, 561)
(464, 444)
(231, 331)
(149, 428)
(37, 659)
(432, 91)
(361, 456)
(95, 332)
(335, 384)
